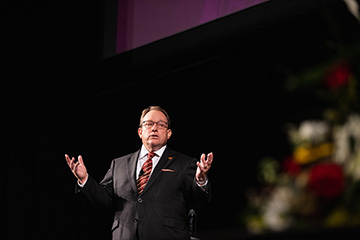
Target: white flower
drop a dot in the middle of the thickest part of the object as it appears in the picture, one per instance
(315, 131)
(347, 146)
(276, 209)
(347, 138)
(342, 147)
(353, 127)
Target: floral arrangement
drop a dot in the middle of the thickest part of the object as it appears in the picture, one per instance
(318, 183)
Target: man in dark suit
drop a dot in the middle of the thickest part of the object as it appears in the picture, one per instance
(150, 189)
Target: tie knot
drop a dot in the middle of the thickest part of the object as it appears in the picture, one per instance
(151, 155)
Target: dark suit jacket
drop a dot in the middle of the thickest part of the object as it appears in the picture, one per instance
(160, 211)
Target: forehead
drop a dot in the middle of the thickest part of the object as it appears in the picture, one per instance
(155, 115)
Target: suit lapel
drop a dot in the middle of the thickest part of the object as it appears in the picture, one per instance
(131, 168)
(164, 161)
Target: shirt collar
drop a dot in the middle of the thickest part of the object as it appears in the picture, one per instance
(144, 151)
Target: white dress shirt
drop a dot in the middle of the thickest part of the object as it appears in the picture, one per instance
(143, 157)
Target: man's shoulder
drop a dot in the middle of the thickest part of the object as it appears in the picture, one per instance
(125, 157)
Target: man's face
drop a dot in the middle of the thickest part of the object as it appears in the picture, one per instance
(155, 136)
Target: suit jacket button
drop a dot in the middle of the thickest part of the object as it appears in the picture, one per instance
(140, 200)
(135, 220)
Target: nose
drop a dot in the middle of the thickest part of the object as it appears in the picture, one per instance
(154, 128)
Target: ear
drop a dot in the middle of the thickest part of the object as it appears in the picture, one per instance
(140, 132)
(168, 132)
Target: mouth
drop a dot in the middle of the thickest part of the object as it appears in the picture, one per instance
(153, 136)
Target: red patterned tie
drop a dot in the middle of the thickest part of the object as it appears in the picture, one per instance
(145, 172)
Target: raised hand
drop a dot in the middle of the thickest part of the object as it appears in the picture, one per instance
(203, 166)
(77, 168)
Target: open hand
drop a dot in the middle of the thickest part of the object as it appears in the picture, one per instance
(203, 166)
(77, 168)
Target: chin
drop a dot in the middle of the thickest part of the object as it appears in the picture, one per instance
(155, 144)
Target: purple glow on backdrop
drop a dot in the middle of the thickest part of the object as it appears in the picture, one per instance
(142, 21)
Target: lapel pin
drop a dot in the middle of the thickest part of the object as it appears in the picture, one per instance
(170, 158)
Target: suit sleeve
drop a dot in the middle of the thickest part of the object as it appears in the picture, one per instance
(196, 197)
(98, 194)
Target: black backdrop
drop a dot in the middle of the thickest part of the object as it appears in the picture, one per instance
(222, 84)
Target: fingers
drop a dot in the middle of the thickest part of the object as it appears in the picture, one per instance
(74, 167)
(210, 157)
(67, 159)
(203, 167)
(208, 160)
(80, 159)
(202, 158)
(72, 164)
(205, 164)
(77, 167)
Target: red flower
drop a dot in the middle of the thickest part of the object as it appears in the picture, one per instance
(326, 180)
(291, 167)
(338, 75)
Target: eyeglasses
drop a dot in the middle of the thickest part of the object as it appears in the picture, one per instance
(160, 124)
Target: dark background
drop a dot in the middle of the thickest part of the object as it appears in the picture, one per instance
(222, 84)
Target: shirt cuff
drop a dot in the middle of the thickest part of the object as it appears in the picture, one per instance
(203, 185)
(82, 185)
